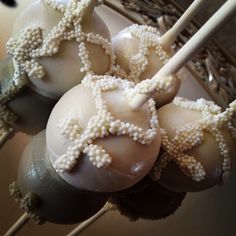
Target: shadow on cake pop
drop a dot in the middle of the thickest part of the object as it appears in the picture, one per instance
(147, 200)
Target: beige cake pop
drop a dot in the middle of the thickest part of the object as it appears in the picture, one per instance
(197, 145)
(96, 141)
(54, 44)
(140, 55)
(141, 51)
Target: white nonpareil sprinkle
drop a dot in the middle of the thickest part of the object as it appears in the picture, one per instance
(101, 125)
(192, 134)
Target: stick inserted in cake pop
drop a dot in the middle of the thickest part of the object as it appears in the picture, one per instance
(147, 88)
(170, 36)
(141, 52)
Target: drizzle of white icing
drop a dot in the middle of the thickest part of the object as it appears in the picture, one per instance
(30, 45)
(192, 135)
(102, 125)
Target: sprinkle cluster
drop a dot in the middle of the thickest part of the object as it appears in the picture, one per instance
(155, 84)
(192, 134)
(101, 125)
(56, 5)
(30, 46)
(148, 37)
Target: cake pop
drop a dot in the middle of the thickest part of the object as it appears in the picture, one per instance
(197, 145)
(92, 129)
(141, 51)
(54, 44)
(44, 195)
(140, 55)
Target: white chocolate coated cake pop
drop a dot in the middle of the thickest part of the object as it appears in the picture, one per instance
(96, 141)
(56, 42)
(53, 45)
(44, 195)
(197, 145)
(140, 56)
(141, 51)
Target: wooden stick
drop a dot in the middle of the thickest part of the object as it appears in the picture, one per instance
(170, 36)
(18, 225)
(188, 50)
(86, 223)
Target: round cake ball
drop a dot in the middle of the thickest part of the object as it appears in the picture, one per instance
(197, 145)
(96, 141)
(45, 196)
(140, 56)
(152, 203)
(56, 42)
